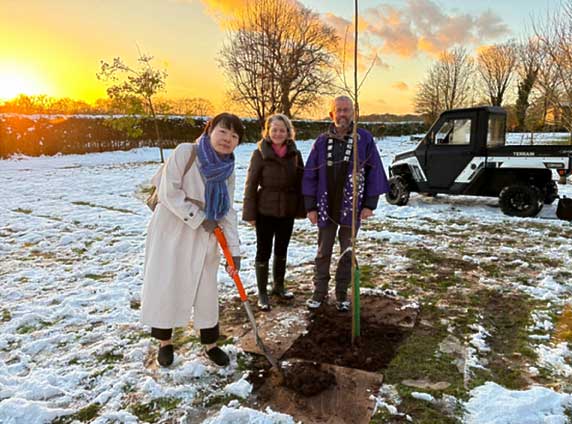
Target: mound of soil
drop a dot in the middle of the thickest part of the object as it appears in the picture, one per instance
(308, 379)
(328, 340)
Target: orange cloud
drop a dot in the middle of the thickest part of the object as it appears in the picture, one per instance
(367, 51)
(400, 85)
(423, 26)
(225, 7)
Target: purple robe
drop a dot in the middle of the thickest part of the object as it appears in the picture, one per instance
(372, 180)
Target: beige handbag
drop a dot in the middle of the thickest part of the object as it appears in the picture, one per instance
(153, 198)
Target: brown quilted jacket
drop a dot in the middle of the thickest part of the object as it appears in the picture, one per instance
(273, 184)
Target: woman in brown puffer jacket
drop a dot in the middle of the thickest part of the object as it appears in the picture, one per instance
(272, 199)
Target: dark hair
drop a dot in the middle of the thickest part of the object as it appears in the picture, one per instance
(228, 121)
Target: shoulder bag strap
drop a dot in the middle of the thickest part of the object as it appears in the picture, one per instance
(191, 159)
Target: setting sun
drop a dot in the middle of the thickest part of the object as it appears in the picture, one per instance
(13, 82)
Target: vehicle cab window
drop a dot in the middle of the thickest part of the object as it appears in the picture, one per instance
(454, 132)
(496, 131)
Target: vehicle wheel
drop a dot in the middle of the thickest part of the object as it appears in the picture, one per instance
(550, 192)
(521, 200)
(398, 192)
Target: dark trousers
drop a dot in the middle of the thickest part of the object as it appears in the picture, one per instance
(268, 229)
(208, 335)
(326, 240)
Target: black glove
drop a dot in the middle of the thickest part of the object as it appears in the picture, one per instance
(209, 225)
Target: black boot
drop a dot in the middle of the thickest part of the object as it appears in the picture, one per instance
(278, 272)
(165, 355)
(217, 355)
(262, 283)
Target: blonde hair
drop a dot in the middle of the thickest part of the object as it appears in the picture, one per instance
(279, 117)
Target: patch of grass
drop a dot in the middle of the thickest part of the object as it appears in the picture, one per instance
(109, 357)
(418, 357)
(110, 208)
(84, 415)
(98, 277)
(366, 273)
(181, 339)
(492, 269)
(506, 317)
(145, 412)
(6, 315)
(22, 210)
(135, 304)
(152, 411)
(219, 399)
(79, 251)
(25, 329)
(243, 362)
(549, 262)
(383, 416)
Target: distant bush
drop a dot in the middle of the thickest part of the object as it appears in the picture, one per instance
(35, 135)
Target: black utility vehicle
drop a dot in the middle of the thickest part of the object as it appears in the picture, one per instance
(464, 153)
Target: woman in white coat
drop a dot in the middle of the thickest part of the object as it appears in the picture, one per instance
(181, 251)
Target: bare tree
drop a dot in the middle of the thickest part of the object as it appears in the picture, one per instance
(428, 100)
(278, 57)
(196, 106)
(555, 37)
(528, 68)
(143, 82)
(496, 65)
(447, 85)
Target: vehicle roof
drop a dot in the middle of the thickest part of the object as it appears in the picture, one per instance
(490, 109)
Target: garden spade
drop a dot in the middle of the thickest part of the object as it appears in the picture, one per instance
(224, 246)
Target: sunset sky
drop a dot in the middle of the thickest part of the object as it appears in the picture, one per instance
(54, 46)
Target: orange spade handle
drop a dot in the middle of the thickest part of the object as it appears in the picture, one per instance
(228, 256)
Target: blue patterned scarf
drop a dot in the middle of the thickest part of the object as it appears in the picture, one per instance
(215, 170)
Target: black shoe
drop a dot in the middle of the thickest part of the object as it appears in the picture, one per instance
(165, 355)
(217, 355)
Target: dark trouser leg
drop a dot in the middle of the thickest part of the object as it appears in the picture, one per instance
(344, 269)
(326, 239)
(283, 233)
(161, 333)
(265, 229)
(209, 335)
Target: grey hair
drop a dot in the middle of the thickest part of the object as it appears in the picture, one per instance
(340, 98)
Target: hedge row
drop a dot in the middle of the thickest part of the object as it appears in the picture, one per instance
(49, 135)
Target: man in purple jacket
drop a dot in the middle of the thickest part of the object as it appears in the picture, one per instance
(327, 187)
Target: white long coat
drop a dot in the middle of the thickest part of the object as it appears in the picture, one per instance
(181, 258)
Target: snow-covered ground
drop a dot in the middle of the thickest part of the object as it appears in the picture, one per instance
(72, 231)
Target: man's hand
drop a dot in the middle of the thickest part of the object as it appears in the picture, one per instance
(232, 271)
(313, 217)
(366, 213)
(253, 223)
(209, 225)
